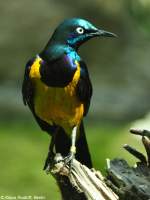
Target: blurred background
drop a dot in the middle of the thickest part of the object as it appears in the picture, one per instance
(119, 70)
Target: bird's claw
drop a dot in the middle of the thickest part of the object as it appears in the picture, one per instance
(47, 168)
(68, 160)
(48, 163)
(53, 160)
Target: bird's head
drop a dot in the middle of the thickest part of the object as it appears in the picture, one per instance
(75, 32)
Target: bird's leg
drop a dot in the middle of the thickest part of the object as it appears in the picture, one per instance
(51, 153)
(50, 156)
(70, 157)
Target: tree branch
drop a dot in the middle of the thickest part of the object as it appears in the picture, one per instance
(86, 183)
(122, 181)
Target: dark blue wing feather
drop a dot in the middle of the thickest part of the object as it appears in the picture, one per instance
(28, 95)
(84, 87)
(27, 87)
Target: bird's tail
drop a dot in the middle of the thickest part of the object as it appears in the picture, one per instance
(63, 143)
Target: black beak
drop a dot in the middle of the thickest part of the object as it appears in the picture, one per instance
(104, 33)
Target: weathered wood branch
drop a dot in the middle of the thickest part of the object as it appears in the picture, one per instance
(131, 182)
(122, 181)
(81, 182)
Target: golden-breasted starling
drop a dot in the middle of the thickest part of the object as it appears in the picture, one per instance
(58, 90)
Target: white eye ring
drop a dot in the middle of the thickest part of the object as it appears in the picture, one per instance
(80, 30)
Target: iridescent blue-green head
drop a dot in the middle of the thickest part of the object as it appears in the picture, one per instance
(75, 31)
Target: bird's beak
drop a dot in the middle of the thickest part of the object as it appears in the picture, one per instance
(104, 33)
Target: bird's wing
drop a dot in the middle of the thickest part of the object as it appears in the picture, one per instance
(84, 87)
(27, 87)
(28, 95)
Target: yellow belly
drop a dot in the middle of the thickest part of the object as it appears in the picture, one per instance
(57, 105)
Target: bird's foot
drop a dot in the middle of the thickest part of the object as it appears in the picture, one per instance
(53, 163)
(48, 163)
(68, 160)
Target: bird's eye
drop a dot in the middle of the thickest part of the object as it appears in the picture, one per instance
(80, 30)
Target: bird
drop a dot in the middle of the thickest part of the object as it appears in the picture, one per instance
(57, 89)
